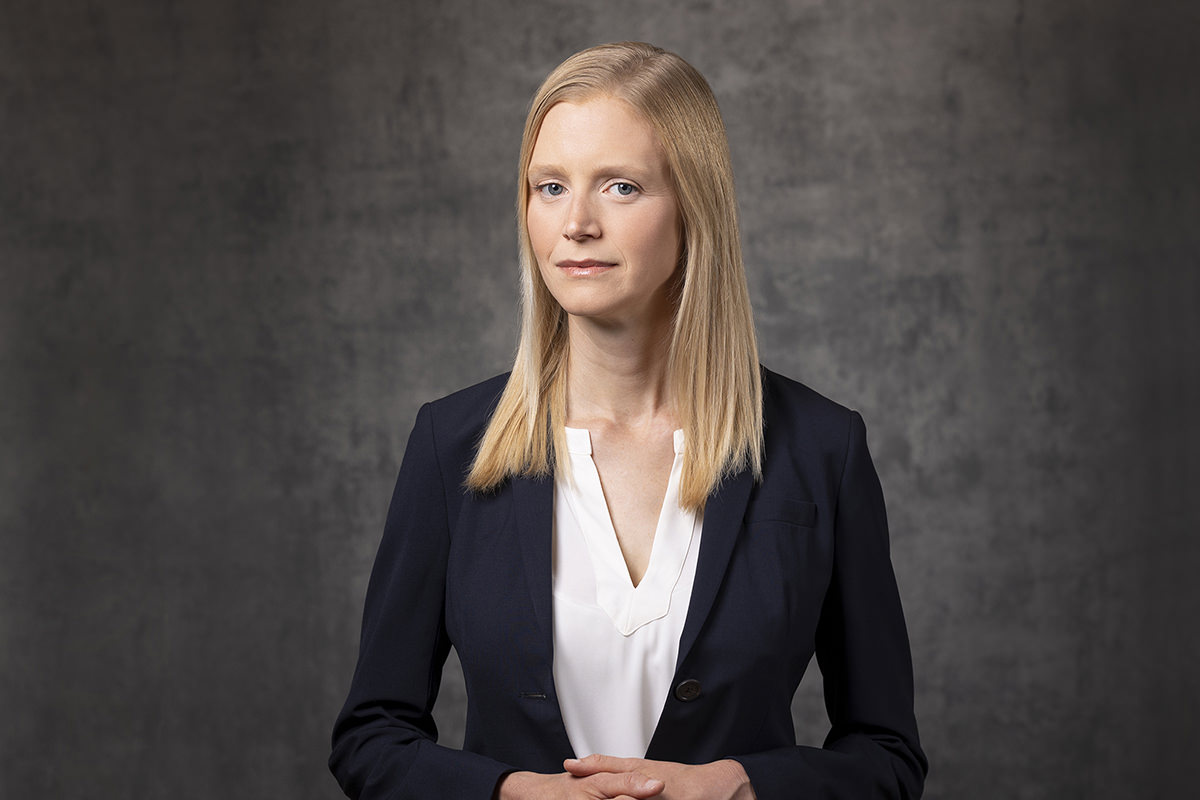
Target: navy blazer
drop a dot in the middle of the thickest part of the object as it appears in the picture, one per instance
(795, 564)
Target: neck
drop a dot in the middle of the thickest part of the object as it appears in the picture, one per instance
(618, 374)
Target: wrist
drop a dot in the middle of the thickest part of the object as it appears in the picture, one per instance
(735, 778)
(512, 786)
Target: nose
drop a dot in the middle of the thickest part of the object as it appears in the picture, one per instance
(581, 221)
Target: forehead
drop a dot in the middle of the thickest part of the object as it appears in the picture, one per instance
(597, 132)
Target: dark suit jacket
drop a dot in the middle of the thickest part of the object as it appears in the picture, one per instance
(795, 564)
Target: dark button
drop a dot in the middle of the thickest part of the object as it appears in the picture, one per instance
(688, 691)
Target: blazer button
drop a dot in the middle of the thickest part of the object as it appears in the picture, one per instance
(688, 691)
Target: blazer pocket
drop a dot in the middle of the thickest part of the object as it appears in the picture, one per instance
(795, 513)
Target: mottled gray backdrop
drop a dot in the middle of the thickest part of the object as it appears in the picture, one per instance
(241, 242)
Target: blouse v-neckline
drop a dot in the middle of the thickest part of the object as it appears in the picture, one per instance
(629, 607)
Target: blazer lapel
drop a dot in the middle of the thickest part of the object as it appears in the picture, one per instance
(722, 522)
(533, 499)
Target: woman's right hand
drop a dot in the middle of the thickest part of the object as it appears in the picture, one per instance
(565, 786)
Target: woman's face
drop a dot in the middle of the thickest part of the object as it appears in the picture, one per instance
(602, 214)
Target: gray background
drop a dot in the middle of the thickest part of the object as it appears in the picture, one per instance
(240, 243)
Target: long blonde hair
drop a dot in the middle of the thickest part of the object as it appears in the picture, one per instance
(713, 358)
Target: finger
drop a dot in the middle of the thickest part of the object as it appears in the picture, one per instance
(633, 784)
(582, 767)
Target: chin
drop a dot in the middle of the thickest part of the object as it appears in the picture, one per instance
(580, 301)
(589, 311)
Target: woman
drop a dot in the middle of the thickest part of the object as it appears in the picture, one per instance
(638, 538)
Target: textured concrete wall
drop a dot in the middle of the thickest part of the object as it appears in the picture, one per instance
(241, 242)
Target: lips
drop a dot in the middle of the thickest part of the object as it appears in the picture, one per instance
(588, 263)
(586, 268)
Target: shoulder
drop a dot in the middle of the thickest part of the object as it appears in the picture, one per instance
(793, 405)
(457, 420)
(472, 405)
(800, 425)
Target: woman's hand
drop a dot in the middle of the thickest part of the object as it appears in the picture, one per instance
(718, 780)
(602, 785)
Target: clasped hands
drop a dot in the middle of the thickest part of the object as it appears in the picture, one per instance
(600, 777)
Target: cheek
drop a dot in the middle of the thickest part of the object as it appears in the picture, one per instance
(658, 237)
(542, 230)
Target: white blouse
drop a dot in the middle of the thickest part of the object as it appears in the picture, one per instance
(615, 644)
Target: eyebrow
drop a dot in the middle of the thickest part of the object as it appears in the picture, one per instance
(542, 170)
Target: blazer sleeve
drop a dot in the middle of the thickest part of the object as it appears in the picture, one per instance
(872, 749)
(385, 739)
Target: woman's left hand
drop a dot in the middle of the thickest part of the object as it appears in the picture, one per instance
(717, 780)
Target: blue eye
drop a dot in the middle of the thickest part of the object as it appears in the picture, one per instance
(624, 189)
(551, 189)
